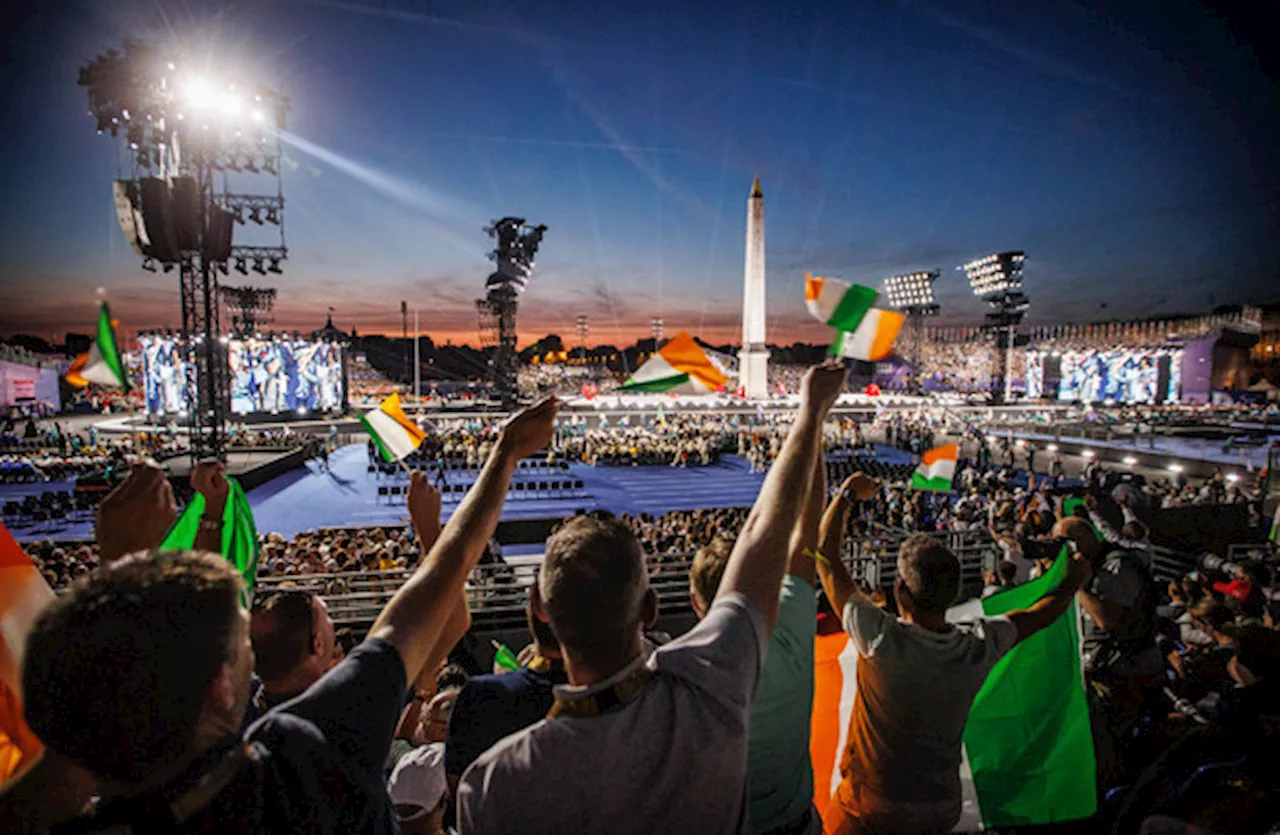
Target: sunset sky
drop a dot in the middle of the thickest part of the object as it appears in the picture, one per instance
(1132, 155)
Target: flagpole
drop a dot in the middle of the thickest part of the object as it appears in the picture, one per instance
(417, 362)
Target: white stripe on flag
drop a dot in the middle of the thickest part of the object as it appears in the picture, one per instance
(97, 371)
(849, 673)
(393, 436)
(942, 468)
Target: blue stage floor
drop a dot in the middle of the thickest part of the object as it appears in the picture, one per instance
(347, 494)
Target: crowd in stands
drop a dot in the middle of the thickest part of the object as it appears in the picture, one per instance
(230, 719)
(366, 383)
(541, 380)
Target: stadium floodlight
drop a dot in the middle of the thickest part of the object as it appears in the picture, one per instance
(912, 292)
(996, 275)
(1088, 453)
(997, 279)
(1129, 460)
(1175, 468)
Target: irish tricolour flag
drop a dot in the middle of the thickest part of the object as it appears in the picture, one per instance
(104, 364)
(679, 367)
(863, 332)
(937, 469)
(393, 432)
(1027, 754)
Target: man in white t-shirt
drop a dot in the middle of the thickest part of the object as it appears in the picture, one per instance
(917, 676)
(644, 740)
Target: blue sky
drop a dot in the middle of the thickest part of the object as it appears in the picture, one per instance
(1131, 155)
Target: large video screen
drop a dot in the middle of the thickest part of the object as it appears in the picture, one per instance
(1118, 376)
(271, 376)
(282, 375)
(164, 375)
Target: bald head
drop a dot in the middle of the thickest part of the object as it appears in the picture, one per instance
(1081, 533)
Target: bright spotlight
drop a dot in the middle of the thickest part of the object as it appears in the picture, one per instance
(1088, 453)
(1175, 468)
(1129, 460)
(231, 104)
(198, 93)
(302, 410)
(1052, 447)
(258, 116)
(1232, 477)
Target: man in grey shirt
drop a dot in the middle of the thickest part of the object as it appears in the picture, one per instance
(645, 740)
(917, 676)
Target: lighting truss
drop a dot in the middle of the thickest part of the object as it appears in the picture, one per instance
(188, 134)
(912, 292)
(996, 275)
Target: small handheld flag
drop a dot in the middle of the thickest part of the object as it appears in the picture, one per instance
(937, 469)
(504, 657)
(103, 364)
(391, 429)
(678, 367)
(864, 332)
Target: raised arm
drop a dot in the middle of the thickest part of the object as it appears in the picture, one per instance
(760, 555)
(417, 619)
(839, 587)
(804, 537)
(1049, 608)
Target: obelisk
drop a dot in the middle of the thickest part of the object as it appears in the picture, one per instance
(753, 359)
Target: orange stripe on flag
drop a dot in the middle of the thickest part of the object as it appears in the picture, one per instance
(73, 373)
(950, 452)
(391, 406)
(886, 333)
(684, 354)
(824, 727)
(812, 287)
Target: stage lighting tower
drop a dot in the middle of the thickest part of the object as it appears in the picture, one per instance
(584, 328)
(245, 304)
(997, 280)
(517, 247)
(185, 129)
(912, 293)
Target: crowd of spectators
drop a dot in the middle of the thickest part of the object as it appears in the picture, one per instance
(267, 720)
(541, 380)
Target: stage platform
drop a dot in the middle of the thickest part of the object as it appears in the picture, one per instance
(1198, 457)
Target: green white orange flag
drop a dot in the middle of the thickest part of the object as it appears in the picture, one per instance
(1028, 755)
(1028, 746)
(937, 469)
(863, 332)
(392, 430)
(872, 340)
(679, 367)
(1275, 527)
(103, 364)
(239, 533)
(23, 595)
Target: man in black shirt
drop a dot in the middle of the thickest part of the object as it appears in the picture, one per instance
(141, 676)
(492, 707)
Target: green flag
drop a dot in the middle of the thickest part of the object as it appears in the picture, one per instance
(1028, 743)
(239, 533)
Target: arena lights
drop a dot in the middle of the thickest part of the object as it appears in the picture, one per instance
(996, 274)
(1232, 478)
(1052, 447)
(1129, 460)
(1175, 468)
(1088, 453)
(912, 292)
(183, 126)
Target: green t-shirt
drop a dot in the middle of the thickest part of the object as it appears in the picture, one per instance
(779, 771)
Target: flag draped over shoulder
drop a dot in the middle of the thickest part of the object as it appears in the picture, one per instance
(1028, 744)
(103, 364)
(679, 367)
(1028, 749)
(937, 469)
(239, 533)
(863, 332)
(23, 595)
(395, 435)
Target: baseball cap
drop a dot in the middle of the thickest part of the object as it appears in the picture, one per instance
(418, 778)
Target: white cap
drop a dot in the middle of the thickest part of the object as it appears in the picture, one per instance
(418, 778)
